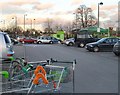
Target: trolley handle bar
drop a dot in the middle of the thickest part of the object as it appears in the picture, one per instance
(46, 61)
(53, 66)
(53, 61)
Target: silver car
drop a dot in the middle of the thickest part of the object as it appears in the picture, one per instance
(69, 42)
(44, 39)
(6, 48)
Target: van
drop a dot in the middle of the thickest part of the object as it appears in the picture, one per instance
(6, 47)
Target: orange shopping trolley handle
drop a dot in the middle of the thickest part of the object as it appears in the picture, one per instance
(40, 68)
(37, 77)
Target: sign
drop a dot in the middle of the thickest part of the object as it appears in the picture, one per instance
(98, 29)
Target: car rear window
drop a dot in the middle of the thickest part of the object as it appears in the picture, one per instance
(7, 38)
(115, 40)
(119, 41)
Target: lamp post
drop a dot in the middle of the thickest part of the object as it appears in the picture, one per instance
(3, 21)
(15, 21)
(98, 30)
(24, 20)
(34, 23)
(75, 20)
(31, 23)
(15, 18)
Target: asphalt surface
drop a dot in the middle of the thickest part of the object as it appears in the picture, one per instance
(95, 72)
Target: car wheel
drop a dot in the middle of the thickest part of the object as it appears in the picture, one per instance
(81, 45)
(70, 44)
(59, 42)
(96, 49)
(34, 42)
(39, 42)
(51, 42)
(117, 54)
(23, 42)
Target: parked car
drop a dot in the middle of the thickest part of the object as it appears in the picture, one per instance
(28, 40)
(105, 44)
(47, 39)
(6, 47)
(14, 41)
(20, 37)
(82, 39)
(70, 41)
(116, 48)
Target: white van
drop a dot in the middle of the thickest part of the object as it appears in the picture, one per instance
(6, 48)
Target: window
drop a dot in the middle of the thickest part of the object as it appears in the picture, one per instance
(108, 41)
(115, 40)
(42, 37)
(7, 38)
(58, 36)
(80, 36)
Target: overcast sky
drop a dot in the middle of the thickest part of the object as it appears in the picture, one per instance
(56, 9)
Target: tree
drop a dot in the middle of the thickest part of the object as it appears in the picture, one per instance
(85, 17)
(48, 26)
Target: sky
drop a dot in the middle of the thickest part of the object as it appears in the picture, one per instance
(58, 10)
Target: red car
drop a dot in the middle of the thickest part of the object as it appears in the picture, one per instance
(28, 40)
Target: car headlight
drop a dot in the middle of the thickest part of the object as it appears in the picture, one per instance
(8, 46)
(116, 46)
(67, 42)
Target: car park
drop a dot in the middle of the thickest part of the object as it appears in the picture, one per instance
(116, 48)
(6, 47)
(28, 40)
(104, 44)
(69, 42)
(47, 39)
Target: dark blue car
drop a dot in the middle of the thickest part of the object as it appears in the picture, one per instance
(54, 40)
(104, 44)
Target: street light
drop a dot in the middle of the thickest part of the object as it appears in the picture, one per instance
(31, 23)
(15, 21)
(101, 3)
(75, 20)
(24, 20)
(3, 21)
(15, 18)
(34, 23)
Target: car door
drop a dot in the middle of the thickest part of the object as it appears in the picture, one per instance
(106, 45)
(28, 40)
(46, 40)
(25, 40)
(114, 41)
(42, 39)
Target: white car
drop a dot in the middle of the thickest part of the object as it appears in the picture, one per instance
(69, 42)
(44, 39)
(6, 47)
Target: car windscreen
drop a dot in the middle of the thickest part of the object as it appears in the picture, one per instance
(7, 38)
(71, 39)
(101, 40)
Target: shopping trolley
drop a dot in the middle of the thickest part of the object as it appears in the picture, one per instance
(48, 79)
